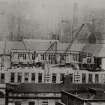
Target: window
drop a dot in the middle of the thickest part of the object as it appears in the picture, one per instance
(45, 103)
(20, 55)
(17, 103)
(90, 78)
(77, 77)
(96, 78)
(83, 78)
(71, 77)
(12, 77)
(42, 57)
(33, 77)
(2, 78)
(62, 77)
(26, 77)
(92, 38)
(19, 77)
(49, 57)
(24, 56)
(39, 77)
(33, 56)
(31, 103)
(54, 78)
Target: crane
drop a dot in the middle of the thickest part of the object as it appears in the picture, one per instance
(53, 48)
(69, 46)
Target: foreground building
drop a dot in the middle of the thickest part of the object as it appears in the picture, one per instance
(36, 69)
(83, 97)
(33, 94)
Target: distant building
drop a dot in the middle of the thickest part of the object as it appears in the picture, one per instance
(55, 37)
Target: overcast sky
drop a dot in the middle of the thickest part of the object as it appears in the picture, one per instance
(44, 15)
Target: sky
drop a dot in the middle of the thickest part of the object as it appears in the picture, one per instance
(43, 16)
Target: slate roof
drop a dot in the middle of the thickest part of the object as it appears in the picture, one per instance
(62, 46)
(36, 88)
(37, 45)
(97, 50)
(31, 44)
(93, 94)
(77, 46)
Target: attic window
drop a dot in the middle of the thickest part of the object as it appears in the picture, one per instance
(92, 38)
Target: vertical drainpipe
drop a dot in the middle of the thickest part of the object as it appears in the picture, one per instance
(6, 96)
(84, 103)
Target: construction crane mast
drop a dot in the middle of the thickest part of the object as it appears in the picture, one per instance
(75, 36)
(51, 51)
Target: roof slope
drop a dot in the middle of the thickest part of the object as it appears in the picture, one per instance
(36, 88)
(37, 45)
(95, 49)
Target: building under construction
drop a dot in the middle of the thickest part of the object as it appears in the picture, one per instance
(49, 61)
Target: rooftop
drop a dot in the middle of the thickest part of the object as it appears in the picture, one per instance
(30, 44)
(35, 88)
(90, 94)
